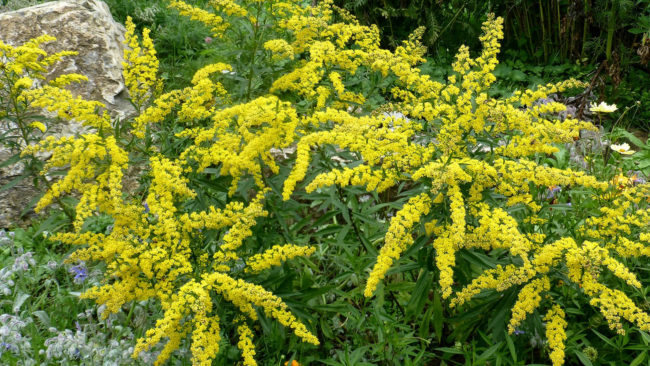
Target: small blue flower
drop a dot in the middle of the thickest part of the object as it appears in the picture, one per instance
(519, 332)
(552, 191)
(80, 272)
(146, 208)
(4, 347)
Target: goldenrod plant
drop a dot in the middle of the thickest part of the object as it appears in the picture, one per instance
(473, 166)
(24, 92)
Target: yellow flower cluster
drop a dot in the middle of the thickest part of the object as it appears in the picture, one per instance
(152, 247)
(276, 256)
(555, 333)
(68, 107)
(194, 104)
(216, 23)
(20, 67)
(246, 344)
(281, 49)
(471, 149)
(140, 66)
(241, 138)
(474, 158)
(96, 167)
(28, 58)
(528, 300)
(398, 238)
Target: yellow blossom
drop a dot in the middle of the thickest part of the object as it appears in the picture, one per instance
(556, 334)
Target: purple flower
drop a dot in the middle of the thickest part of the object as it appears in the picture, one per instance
(519, 332)
(146, 208)
(4, 347)
(552, 191)
(80, 272)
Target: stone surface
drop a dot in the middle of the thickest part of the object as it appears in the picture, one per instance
(85, 26)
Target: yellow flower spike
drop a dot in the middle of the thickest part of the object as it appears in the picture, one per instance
(500, 278)
(245, 344)
(528, 300)
(54, 99)
(67, 79)
(38, 125)
(215, 22)
(556, 334)
(398, 238)
(275, 256)
(140, 68)
(241, 292)
(450, 241)
(229, 7)
(157, 112)
(241, 138)
(280, 48)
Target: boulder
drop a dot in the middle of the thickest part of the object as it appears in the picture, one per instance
(85, 26)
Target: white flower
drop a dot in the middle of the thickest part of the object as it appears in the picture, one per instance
(603, 107)
(396, 115)
(622, 149)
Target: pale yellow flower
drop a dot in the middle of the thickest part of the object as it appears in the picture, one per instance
(622, 149)
(603, 107)
(38, 125)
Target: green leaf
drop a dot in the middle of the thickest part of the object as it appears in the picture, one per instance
(450, 350)
(420, 294)
(18, 301)
(633, 139)
(488, 353)
(583, 358)
(30, 205)
(14, 182)
(438, 318)
(511, 347)
(605, 339)
(43, 317)
(325, 328)
(12, 160)
(638, 359)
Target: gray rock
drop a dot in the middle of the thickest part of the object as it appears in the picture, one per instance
(85, 26)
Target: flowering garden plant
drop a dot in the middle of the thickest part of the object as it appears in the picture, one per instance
(469, 183)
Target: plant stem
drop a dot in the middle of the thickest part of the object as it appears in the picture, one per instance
(542, 20)
(585, 26)
(256, 28)
(611, 27)
(30, 166)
